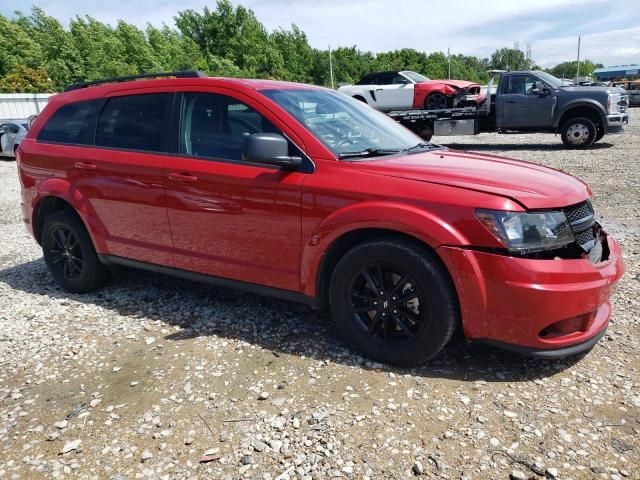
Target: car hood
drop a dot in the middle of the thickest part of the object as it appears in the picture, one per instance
(531, 185)
(594, 89)
(453, 83)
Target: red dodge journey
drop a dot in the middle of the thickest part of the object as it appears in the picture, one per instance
(305, 194)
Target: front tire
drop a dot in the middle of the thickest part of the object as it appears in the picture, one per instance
(393, 301)
(70, 255)
(599, 135)
(437, 101)
(578, 133)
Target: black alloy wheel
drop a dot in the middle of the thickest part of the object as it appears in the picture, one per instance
(387, 304)
(69, 253)
(436, 101)
(393, 300)
(66, 255)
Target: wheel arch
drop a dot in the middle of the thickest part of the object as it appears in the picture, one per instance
(364, 221)
(590, 109)
(346, 242)
(56, 194)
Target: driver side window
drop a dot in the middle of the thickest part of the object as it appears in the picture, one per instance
(215, 126)
(521, 85)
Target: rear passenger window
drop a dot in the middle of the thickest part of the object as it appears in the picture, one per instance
(134, 122)
(216, 126)
(72, 123)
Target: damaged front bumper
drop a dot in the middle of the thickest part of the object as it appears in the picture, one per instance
(550, 308)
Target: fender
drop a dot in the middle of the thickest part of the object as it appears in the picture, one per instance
(413, 221)
(580, 103)
(58, 187)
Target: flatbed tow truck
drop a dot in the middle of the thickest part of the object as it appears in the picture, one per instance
(528, 102)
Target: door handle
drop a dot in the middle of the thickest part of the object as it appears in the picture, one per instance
(379, 89)
(182, 177)
(84, 165)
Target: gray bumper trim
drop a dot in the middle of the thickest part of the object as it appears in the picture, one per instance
(554, 354)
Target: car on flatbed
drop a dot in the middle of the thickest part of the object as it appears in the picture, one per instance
(302, 193)
(402, 90)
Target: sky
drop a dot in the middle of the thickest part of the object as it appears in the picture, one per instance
(610, 29)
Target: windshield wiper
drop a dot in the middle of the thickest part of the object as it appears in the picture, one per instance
(368, 152)
(423, 146)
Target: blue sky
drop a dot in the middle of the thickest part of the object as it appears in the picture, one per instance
(610, 28)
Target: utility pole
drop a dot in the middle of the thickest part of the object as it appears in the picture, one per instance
(578, 69)
(330, 67)
(449, 61)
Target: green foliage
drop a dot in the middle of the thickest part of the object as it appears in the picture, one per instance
(509, 59)
(226, 41)
(24, 79)
(570, 69)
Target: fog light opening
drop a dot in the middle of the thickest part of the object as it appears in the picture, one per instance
(568, 326)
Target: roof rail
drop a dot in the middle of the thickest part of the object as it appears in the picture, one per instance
(180, 74)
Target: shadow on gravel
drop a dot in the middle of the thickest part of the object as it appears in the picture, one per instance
(505, 147)
(282, 327)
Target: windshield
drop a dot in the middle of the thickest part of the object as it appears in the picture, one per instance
(343, 124)
(416, 77)
(550, 79)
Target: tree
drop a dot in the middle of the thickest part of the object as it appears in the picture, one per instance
(509, 59)
(17, 47)
(570, 69)
(24, 79)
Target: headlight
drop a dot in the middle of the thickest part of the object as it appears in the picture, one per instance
(527, 232)
(613, 103)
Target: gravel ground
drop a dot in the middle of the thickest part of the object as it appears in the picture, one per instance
(154, 377)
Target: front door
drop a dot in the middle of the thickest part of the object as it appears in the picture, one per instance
(520, 107)
(230, 218)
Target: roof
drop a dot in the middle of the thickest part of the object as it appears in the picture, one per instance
(624, 69)
(97, 91)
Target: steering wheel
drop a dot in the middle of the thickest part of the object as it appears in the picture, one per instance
(246, 125)
(347, 141)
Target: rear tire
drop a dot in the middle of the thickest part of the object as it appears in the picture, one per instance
(578, 133)
(70, 255)
(393, 301)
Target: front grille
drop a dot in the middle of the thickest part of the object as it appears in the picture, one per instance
(624, 103)
(577, 212)
(583, 224)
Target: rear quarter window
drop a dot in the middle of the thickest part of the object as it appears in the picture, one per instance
(73, 123)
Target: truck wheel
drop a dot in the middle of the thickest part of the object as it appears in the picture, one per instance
(69, 253)
(578, 132)
(599, 135)
(393, 301)
(436, 101)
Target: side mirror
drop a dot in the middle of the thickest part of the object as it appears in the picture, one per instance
(540, 88)
(271, 148)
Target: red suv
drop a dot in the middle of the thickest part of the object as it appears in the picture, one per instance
(303, 193)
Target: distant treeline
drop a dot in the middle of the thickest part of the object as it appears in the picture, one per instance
(37, 54)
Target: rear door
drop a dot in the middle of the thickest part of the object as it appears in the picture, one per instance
(520, 107)
(112, 151)
(394, 92)
(231, 218)
(123, 175)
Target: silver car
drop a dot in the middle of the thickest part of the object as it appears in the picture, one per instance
(11, 134)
